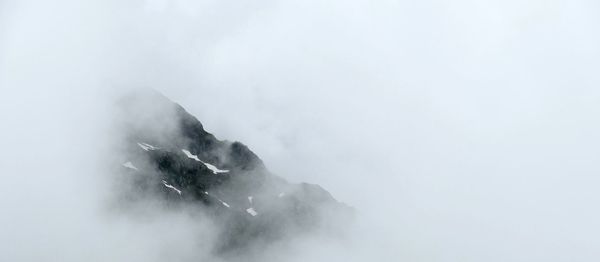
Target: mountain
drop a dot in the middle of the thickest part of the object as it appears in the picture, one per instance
(170, 156)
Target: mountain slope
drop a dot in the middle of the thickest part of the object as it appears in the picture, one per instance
(169, 155)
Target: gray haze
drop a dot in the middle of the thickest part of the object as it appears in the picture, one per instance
(460, 131)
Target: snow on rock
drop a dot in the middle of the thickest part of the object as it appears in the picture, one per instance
(130, 165)
(190, 155)
(213, 168)
(223, 202)
(251, 211)
(171, 187)
(147, 147)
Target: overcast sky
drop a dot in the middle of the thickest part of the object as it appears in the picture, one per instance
(460, 130)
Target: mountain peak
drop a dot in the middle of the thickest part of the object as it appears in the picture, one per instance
(170, 156)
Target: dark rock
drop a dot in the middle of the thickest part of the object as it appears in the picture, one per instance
(226, 178)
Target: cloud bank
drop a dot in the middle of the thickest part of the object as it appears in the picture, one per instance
(462, 131)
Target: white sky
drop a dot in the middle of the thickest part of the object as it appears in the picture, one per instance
(462, 131)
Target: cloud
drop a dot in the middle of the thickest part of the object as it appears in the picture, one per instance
(461, 131)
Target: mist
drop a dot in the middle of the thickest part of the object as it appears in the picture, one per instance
(459, 131)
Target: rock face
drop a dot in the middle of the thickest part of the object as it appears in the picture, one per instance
(169, 155)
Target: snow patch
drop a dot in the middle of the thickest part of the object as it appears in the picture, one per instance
(171, 187)
(250, 199)
(130, 165)
(213, 168)
(190, 155)
(222, 202)
(147, 147)
(251, 211)
(281, 194)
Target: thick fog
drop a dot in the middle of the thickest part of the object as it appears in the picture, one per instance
(459, 130)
